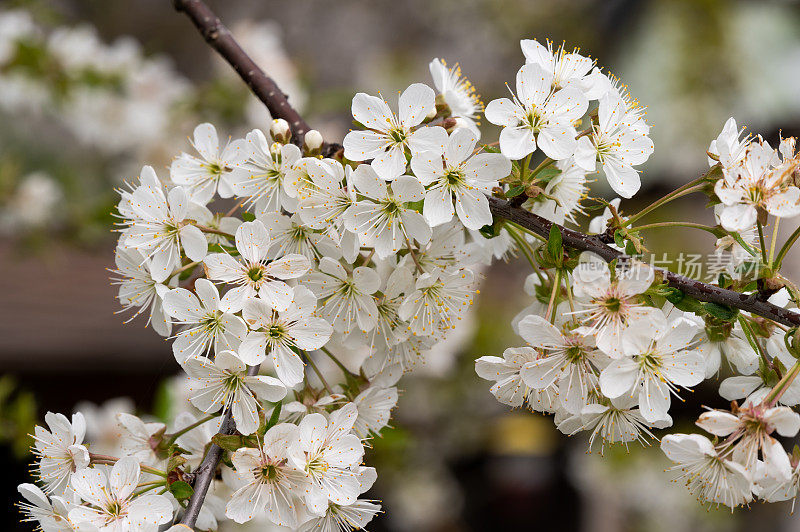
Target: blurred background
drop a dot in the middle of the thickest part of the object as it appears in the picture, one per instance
(92, 90)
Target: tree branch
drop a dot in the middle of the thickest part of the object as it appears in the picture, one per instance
(264, 87)
(207, 470)
(594, 243)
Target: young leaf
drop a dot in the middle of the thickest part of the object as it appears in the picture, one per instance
(181, 490)
(554, 246)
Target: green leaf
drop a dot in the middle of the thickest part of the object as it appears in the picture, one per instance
(618, 239)
(515, 191)
(276, 414)
(181, 490)
(554, 246)
(722, 312)
(175, 461)
(248, 216)
(229, 442)
(547, 174)
(488, 231)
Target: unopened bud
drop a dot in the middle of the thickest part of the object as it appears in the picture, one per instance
(280, 130)
(442, 109)
(430, 116)
(312, 141)
(449, 124)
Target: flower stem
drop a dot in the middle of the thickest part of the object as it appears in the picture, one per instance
(105, 459)
(702, 227)
(783, 384)
(336, 360)
(688, 188)
(551, 304)
(206, 229)
(544, 164)
(786, 247)
(761, 241)
(773, 240)
(319, 373)
(194, 425)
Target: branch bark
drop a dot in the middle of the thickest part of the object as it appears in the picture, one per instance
(207, 470)
(264, 87)
(699, 290)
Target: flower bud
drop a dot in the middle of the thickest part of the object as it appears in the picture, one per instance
(280, 130)
(312, 142)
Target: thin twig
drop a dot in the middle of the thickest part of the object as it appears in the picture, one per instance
(207, 470)
(263, 86)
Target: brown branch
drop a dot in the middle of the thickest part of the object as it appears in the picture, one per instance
(268, 92)
(207, 470)
(263, 86)
(594, 243)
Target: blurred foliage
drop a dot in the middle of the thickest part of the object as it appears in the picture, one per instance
(17, 416)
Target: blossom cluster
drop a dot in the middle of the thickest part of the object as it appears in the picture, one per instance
(297, 288)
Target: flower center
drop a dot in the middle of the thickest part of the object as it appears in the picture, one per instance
(256, 273)
(397, 135)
